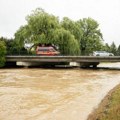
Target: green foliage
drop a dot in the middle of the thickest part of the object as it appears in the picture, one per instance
(107, 47)
(41, 26)
(118, 51)
(10, 46)
(2, 53)
(68, 35)
(45, 28)
(73, 27)
(80, 37)
(113, 48)
(91, 38)
(68, 45)
(20, 36)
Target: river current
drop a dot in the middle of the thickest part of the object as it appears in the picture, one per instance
(54, 94)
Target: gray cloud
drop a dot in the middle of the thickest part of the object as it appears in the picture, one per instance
(105, 12)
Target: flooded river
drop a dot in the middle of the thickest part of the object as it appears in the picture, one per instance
(54, 94)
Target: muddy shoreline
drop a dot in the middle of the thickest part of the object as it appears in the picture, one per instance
(103, 105)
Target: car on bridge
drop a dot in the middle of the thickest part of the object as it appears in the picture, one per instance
(47, 51)
(102, 53)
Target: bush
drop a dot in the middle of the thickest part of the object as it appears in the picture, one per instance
(2, 53)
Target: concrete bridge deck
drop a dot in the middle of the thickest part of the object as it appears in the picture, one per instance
(84, 59)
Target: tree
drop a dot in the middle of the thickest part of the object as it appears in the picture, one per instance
(42, 28)
(68, 45)
(91, 38)
(107, 47)
(9, 45)
(21, 35)
(118, 51)
(2, 53)
(113, 48)
(73, 27)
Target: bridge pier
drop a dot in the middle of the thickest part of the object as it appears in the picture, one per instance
(84, 64)
(88, 64)
(48, 64)
(73, 64)
(27, 64)
(10, 64)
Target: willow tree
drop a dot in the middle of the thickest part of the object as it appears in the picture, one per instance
(21, 35)
(2, 53)
(73, 27)
(67, 43)
(91, 37)
(41, 27)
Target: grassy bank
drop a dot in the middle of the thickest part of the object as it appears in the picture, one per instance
(109, 108)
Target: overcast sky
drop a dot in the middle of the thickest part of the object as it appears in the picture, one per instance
(105, 12)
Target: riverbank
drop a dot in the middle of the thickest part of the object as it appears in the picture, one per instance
(109, 108)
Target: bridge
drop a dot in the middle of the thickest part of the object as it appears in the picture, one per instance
(85, 61)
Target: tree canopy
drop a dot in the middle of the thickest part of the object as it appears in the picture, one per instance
(113, 48)
(2, 53)
(91, 37)
(118, 51)
(45, 28)
(72, 37)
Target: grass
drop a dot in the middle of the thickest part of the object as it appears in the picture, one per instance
(109, 109)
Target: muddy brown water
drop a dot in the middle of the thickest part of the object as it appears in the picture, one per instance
(54, 94)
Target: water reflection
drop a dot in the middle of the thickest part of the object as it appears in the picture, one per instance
(53, 94)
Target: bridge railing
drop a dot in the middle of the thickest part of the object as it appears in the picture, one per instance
(19, 53)
(26, 53)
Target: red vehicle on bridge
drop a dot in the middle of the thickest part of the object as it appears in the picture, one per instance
(46, 50)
